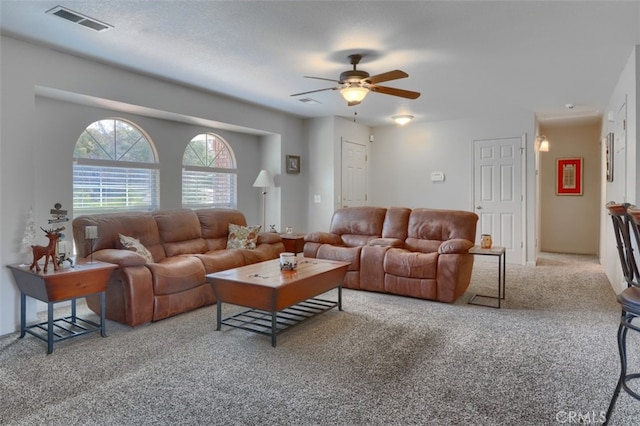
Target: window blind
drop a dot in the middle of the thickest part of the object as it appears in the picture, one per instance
(99, 189)
(202, 189)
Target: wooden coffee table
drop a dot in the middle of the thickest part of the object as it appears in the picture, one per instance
(278, 299)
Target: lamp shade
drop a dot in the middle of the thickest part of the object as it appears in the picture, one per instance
(264, 180)
(354, 93)
(542, 143)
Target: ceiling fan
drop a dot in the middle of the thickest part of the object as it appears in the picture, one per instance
(355, 84)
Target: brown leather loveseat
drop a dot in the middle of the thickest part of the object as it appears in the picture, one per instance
(421, 253)
(185, 245)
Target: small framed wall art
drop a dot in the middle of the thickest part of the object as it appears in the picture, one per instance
(293, 164)
(569, 176)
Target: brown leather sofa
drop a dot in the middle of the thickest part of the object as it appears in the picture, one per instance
(185, 246)
(421, 253)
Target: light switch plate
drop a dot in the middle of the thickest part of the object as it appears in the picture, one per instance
(316, 198)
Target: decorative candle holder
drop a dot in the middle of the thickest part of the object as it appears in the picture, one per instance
(486, 241)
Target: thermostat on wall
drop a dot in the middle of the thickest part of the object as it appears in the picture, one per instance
(437, 176)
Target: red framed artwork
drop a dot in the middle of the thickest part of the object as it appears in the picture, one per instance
(569, 176)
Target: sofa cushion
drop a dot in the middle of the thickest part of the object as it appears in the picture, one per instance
(242, 237)
(220, 260)
(180, 232)
(176, 274)
(214, 224)
(133, 244)
(396, 222)
(404, 263)
(358, 221)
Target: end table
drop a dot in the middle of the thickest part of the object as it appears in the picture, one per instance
(83, 279)
(293, 243)
(501, 254)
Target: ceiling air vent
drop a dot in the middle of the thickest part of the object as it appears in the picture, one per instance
(78, 18)
(308, 101)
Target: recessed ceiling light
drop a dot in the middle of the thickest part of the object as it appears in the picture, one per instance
(78, 18)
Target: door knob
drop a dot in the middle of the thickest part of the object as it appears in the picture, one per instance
(479, 207)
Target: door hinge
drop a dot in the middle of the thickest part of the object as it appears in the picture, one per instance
(521, 244)
(365, 197)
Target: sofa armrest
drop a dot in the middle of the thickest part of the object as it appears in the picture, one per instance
(324, 238)
(456, 245)
(269, 238)
(121, 258)
(387, 242)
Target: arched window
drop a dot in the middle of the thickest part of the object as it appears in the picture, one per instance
(209, 173)
(115, 168)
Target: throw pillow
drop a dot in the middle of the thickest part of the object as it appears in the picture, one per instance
(242, 237)
(134, 244)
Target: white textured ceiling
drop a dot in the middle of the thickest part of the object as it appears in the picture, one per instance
(467, 59)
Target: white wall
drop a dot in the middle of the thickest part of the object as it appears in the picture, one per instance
(627, 89)
(324, 137)
(402, 159)
(35, 166)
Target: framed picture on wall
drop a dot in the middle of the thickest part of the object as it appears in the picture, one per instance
(293, 164)
(610, 157)
(569, 176)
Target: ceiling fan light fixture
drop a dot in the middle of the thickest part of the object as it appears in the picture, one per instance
(354, 94)
(402, 119)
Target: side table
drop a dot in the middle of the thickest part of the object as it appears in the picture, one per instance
(293, 243)
(83, 279)
(501, 254)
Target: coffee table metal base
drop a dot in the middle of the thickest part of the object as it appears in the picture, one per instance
(273, 323)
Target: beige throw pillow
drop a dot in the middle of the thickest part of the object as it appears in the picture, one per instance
(242, 237)
(134, 244)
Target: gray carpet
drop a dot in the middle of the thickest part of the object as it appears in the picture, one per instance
(548, 357)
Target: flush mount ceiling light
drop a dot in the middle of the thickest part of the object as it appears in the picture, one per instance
(402, 119)
(78, 18)
(542, 143)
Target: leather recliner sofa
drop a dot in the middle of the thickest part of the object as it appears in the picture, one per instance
(422, 253)
(185, 246)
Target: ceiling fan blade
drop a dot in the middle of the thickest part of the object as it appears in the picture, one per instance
(386, 76)
(322, 78)
(314, 91)
(395, 92)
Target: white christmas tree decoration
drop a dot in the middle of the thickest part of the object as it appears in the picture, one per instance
(29, 237)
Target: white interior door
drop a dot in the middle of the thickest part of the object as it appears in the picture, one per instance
(354, 174)
(498, 193)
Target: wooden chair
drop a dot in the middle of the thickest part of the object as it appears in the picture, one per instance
(626, 224)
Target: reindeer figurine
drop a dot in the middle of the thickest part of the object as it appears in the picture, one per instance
(49, 252)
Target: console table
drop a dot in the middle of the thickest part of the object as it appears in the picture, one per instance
(501, 254)
(83, 279)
